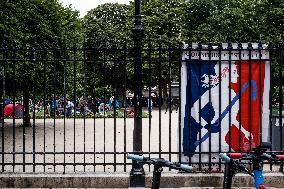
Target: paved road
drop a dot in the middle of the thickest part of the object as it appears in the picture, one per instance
(100, 135)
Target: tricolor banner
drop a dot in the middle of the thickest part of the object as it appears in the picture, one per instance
(225, 100)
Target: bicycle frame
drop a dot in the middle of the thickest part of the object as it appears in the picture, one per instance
(228, 176)
(257, 173)
(231, 168)
(257, 157)
(157, 173)
(258, 179)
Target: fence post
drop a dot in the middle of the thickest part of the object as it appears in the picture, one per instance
(137, 175)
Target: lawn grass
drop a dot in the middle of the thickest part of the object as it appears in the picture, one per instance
(120, 113)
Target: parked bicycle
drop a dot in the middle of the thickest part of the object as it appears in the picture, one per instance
(159, 163)
(256, 157)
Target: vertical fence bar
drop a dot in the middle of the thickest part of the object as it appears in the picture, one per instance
(14, 99)
(270, 49)
(53, 104)
(160, 95)
(26, 111)
(188, 67)
(104, 66)
(33, 101)
(230, 95)
(180, 62)
(210, 102)
(94, 101)
(150, 102)
(199, 49)
(125, 100)
(34, 129)
(45, 58)
(281, 60)
(137, 175)
(64, 102)
(4, 88)
(171, 99)
(84, 100)
(240, 96)
(74, 100)
(250, 99)
(94, 98)
(260, 90)
(281, 93)
(115, 98)
(220, 47)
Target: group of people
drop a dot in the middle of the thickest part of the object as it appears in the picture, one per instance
(80, 105)
(60, 106)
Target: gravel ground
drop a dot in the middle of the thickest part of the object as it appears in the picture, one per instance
(89, 135)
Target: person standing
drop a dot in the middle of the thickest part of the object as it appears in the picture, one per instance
(169, 102)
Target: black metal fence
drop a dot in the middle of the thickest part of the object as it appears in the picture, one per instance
(70, 108)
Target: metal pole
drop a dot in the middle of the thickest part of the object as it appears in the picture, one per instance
(137, 175)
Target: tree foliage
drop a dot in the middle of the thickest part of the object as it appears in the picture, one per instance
(175, 21)
(234, 21)
(106, 22)
(192, 20)
(48, 20)
(31, 31)
(31, 25)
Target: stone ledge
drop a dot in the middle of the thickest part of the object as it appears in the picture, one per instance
(121, 180)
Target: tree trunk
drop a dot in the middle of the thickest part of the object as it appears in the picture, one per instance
(27, 117)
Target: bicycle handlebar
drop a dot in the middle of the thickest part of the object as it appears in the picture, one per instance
(225, 158)
(136, 157)
(237, 165)
(161, 162)
(186, 168)
(280, 157)
(249, 156)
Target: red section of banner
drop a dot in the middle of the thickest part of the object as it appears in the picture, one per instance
(250, 113)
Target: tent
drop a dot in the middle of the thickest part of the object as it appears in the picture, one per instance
(9, 108)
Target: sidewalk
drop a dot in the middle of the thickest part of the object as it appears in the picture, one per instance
(117, 180)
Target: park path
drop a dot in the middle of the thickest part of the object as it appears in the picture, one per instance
(99, 135)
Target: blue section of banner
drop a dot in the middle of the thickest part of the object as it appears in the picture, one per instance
(196, 72)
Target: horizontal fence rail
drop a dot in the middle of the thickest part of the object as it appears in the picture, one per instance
(70, 107)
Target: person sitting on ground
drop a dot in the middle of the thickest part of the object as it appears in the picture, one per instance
(69, 107)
